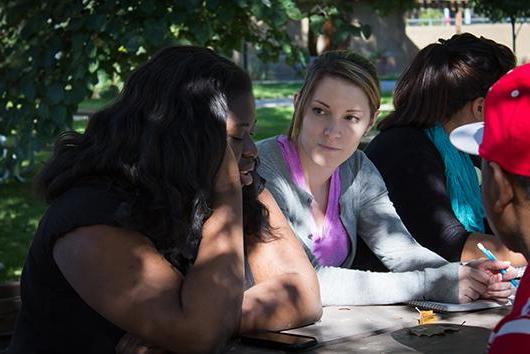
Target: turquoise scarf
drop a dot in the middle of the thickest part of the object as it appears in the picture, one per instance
(461, 181)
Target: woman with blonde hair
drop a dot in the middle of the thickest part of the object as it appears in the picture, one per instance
(333, 196)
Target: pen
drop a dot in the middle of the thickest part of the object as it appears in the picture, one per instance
(492, 257)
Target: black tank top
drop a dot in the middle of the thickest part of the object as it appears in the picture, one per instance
(53, 318)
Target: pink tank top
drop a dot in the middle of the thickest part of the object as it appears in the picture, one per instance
(331, 244)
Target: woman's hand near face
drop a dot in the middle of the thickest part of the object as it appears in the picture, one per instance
(227, 179)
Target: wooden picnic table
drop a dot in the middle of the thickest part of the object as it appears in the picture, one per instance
(386, 329)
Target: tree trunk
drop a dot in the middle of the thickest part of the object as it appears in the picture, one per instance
(458, 20)
(325, 40)
(244, 52)
(389, 46)
(312, 42)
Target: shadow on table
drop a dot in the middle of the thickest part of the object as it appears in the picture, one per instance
(468, 339)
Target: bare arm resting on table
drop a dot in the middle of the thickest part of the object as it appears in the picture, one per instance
(286, 292)
(124, 278)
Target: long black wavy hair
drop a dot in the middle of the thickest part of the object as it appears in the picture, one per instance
(161, 144)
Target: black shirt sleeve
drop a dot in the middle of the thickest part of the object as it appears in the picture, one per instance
(413, 172)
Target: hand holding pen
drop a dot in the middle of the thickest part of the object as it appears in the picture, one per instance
(492, 257)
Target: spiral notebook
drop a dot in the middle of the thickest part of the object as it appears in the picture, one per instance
(447, 307)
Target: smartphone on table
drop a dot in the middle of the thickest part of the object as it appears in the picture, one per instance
(277, 340)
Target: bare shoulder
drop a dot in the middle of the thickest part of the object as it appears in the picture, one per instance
(111, 251)
(283, 253)
(95, 245)
(101, 235)
(283, 237)
(277, 220)
(269, 200)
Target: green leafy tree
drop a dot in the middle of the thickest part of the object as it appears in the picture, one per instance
(52, 52)
(499, 10)
(334, 19)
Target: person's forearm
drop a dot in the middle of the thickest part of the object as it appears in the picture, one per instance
(385, 234)
(284, 302)
(340, 286)
(212, 292)
(491, 242)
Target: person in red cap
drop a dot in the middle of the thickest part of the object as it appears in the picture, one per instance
(503, 142)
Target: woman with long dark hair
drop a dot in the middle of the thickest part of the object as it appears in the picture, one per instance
(150, 214)
(433, 186)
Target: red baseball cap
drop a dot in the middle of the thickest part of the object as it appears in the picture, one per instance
(504, 136)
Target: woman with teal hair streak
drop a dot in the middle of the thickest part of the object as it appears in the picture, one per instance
(433, 186)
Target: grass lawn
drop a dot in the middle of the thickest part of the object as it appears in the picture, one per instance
(261, 91)
(20, 209)
(275, 90)
(20, 212)
(93, 104)
(272, 121)
(280, 90)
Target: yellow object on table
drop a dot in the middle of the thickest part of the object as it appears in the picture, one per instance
(427, 316)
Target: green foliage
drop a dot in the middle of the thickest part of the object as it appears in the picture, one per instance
(20, 211)
(499, 10)
(338, 14)
(54, 51)
(431, 14)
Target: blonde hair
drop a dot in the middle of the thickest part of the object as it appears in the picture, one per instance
(343, 64)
